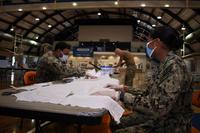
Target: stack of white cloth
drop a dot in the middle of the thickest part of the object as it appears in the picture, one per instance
(76, 93)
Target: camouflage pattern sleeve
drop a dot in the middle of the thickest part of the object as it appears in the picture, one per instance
(169, 88)
(56, 67)
(165, 92)
(166, 105)
(70, 71)
(51, 68)
(132, 94)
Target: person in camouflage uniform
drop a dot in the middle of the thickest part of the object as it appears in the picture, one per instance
(130, 63)
(165, 105)
(50, 67)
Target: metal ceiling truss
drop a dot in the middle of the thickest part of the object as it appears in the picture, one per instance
(56, 5)
(151, 15)
(98, 4)
(20, 27)
(59, 12)
(39, 23)
(55, 21)
(28, 23)
(190, 18)
(178, 19)
(17, 20)
(121, 14)
(91, 13)
(25, 21)
(172, 19)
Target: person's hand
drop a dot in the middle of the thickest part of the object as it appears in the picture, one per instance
(115, 66)
(111, 93)
(125, 88)
(115, 87)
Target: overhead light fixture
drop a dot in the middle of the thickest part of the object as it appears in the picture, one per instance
(12, 29)
(44, 8)
(37, 19)
(138, 21)
(36, 37)
(74, 4)
(183, 28)
(33, 42)
(99, 14)
(49, 26)
(153, 25)
(32, 121)
(166, 5)
(20, 9)
(159, 17)
(143, 5)
(116, 2)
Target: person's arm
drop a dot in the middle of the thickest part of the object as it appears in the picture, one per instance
(120, 62)
(170, 88)
(59, 69)
(69, 72)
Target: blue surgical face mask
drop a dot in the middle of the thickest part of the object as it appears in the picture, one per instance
(63, 58)
(149, 51)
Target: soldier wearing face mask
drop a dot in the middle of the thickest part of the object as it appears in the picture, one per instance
(165, 105)
(51, 68)
(65, 52)
(64, 58)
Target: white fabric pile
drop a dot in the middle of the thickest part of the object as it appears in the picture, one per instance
(76, 93)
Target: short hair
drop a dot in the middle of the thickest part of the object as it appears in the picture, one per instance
(62, 46)
(169, 36)
(45, 48)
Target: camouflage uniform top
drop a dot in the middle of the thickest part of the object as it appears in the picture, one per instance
(128, 58)
(51, 68)
(167, 100)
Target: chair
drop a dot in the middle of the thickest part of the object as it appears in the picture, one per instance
(29, 77)
(194, 130)
(104, 127)
(196, 98)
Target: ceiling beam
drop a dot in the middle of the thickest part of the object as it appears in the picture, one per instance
(28, 21)
(103, 14)
(175, 16)
(40, 22)
(53, 20)
(151, 15)
(83, 11)
(172, 19)
(5, 21)
(17, 20)
(99, 4)
(91, 13)
(65, 33)
(190, 18)
(60, 13)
